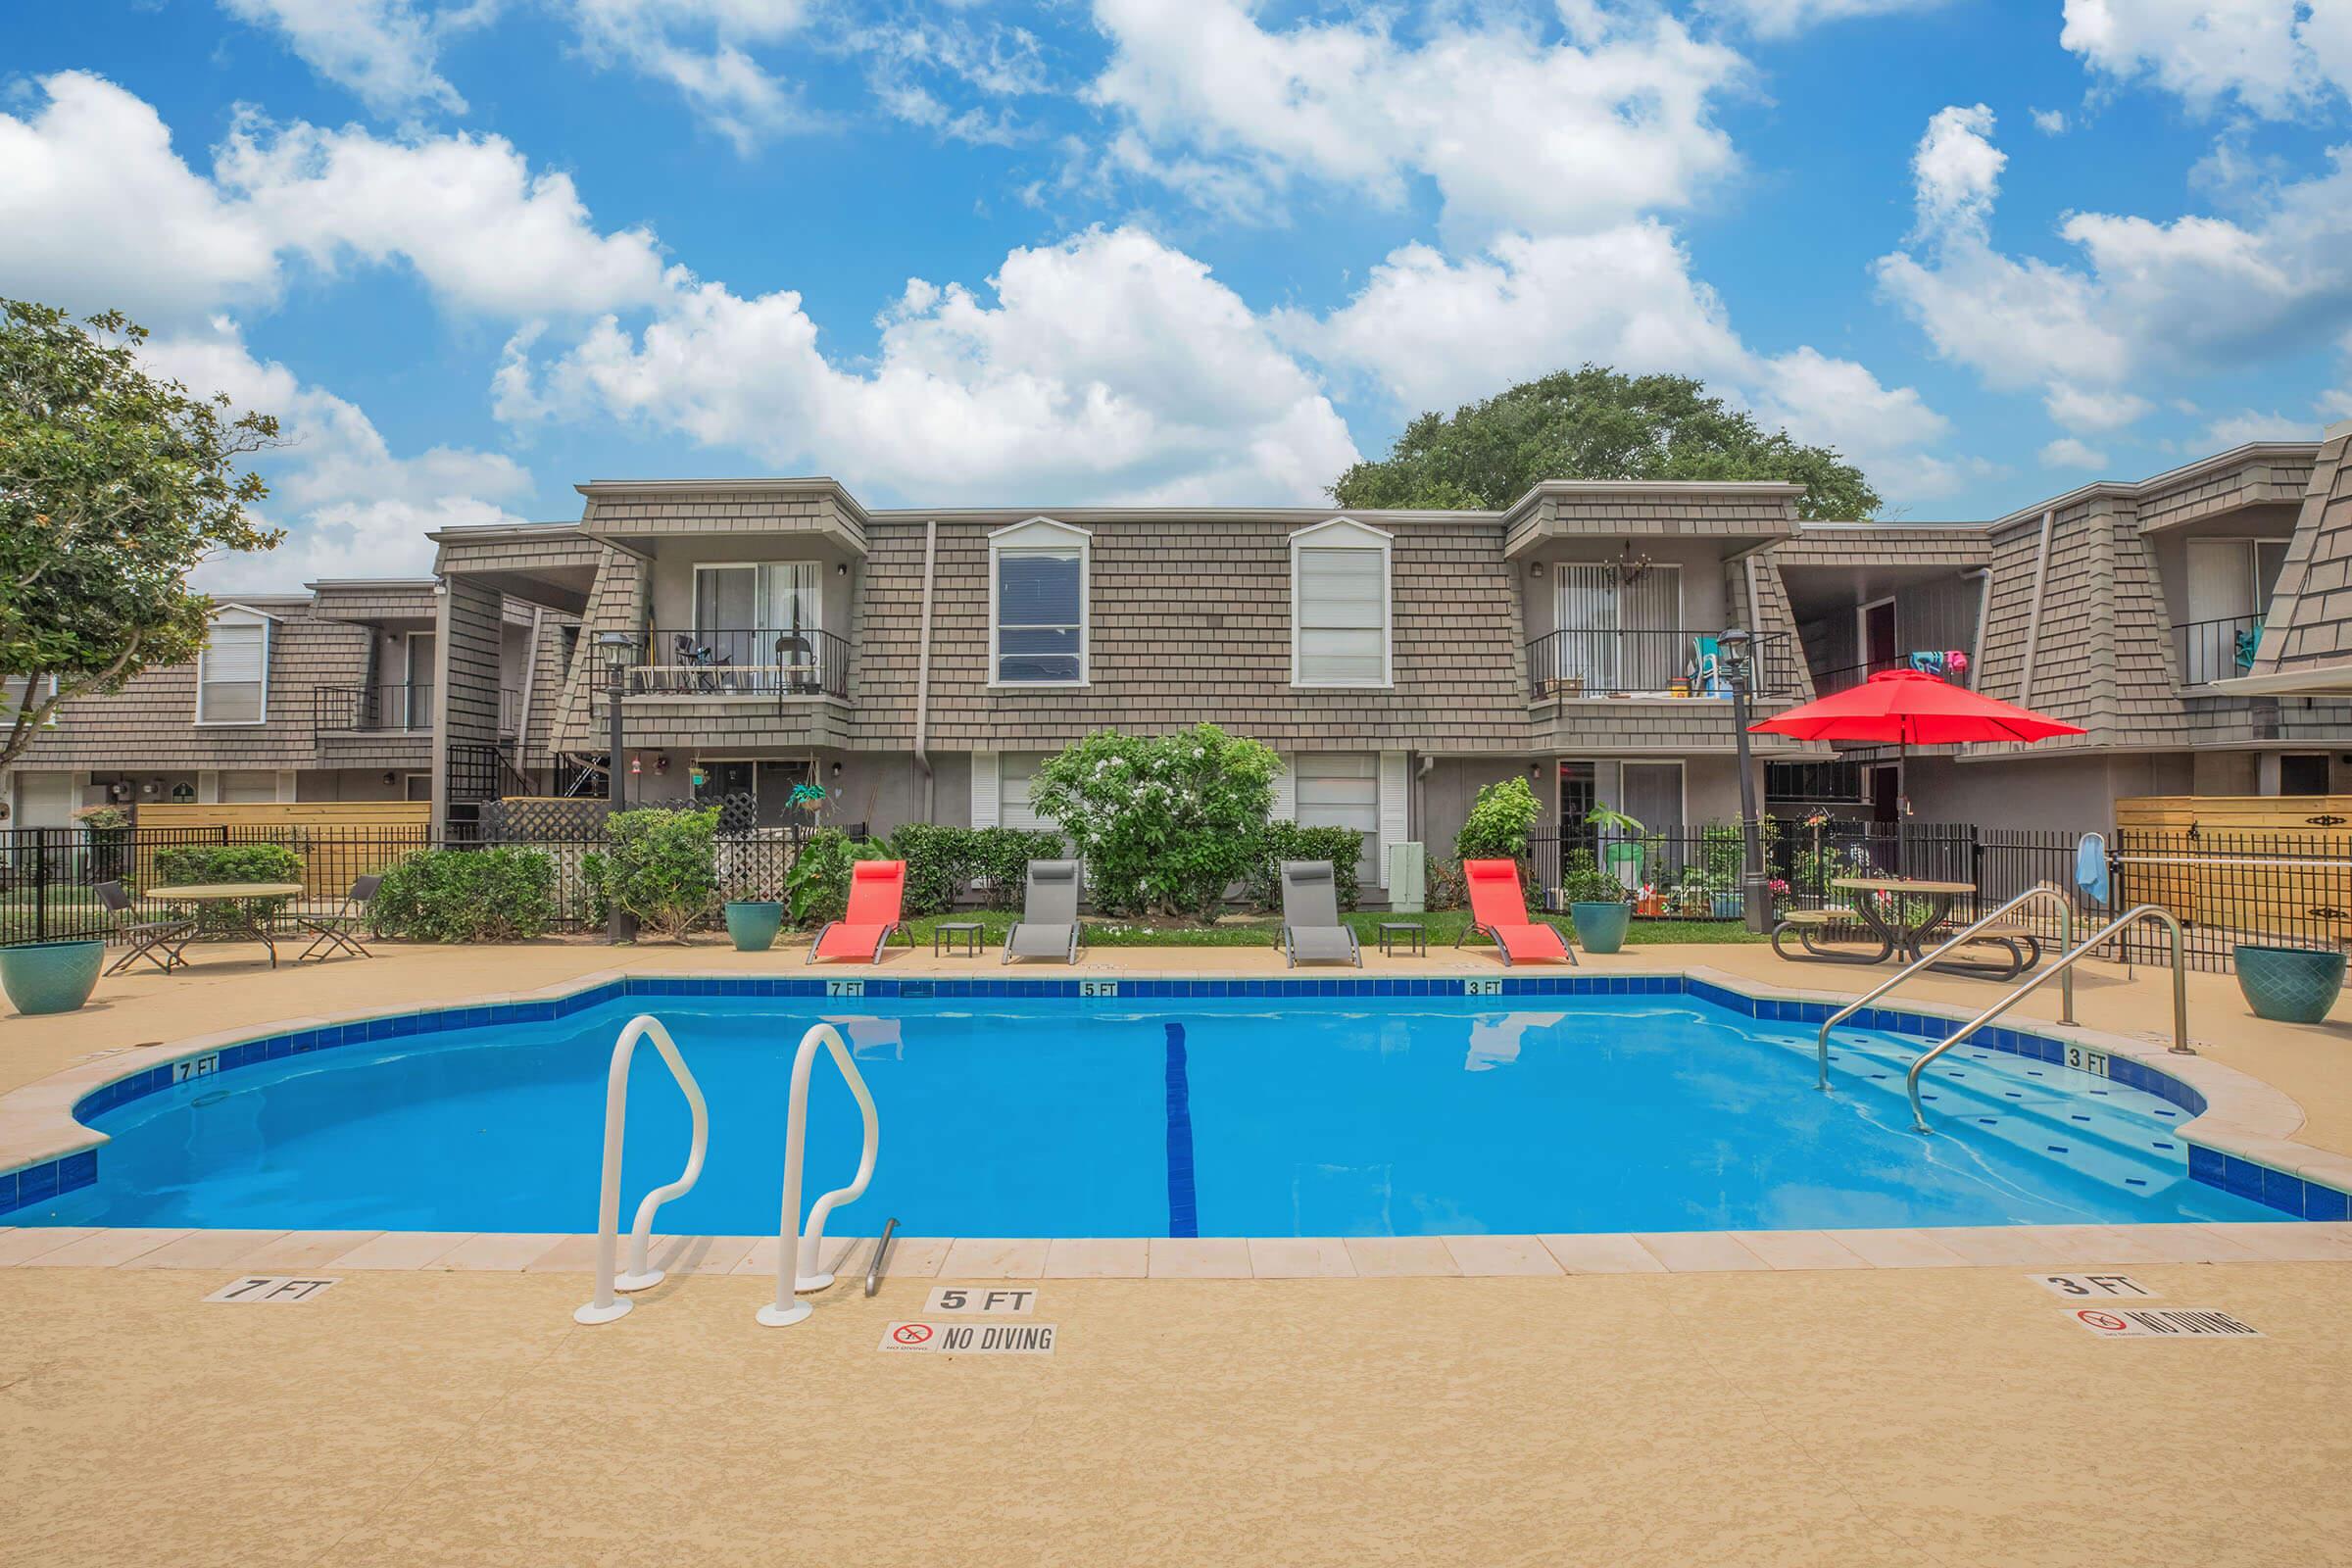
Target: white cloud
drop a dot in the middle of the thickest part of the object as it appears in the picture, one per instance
(2066, 452)
(1107, 367)
(704, 49)
(910, 64)
(386, 51)
(96, 209)
(1786, 19)
(2050, 121)
(2238, 429)
(1432, 333)
(2277, 58)
(352, 508)
(2147, 299)
(1514, 131)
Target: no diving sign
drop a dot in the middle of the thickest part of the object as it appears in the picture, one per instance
(2162, 1323)
(972, 1338)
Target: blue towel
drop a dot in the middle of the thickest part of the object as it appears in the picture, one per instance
(2090, 867)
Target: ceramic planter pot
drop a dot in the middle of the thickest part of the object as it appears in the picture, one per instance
(50, 976)
(1601, 927)
(753, 923)
(1727, 906)
(2289, 985)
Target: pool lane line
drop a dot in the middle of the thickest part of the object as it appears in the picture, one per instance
(1184, 1214)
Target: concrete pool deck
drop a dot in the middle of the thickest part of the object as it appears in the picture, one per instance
(1794, 1408)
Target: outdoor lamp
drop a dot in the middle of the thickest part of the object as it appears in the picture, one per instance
(617, 646)
(1732, 647)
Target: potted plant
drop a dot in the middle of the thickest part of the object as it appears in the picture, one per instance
(2289, 985)
(754, 911)
(109, 828)
(1598, 904)
(50, 976)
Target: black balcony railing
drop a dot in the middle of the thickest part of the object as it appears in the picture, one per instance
(800, 661)
(1826, 681)
(1653, 664)
(2216, 650)
(403, 708)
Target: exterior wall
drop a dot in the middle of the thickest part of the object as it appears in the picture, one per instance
(354, 784)
(2310, 625)
(2065, 793)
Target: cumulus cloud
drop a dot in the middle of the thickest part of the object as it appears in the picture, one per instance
(97, 209)
(2277, 57)
(352, 508)
(385, 51)
(1786, 19)
(2050, 122)
(1109, 367)
(2146, 297)
(2070, 451)
(704, 49)
(1514, 128)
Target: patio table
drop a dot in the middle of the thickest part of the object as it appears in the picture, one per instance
(1890, 918)
(241, 897)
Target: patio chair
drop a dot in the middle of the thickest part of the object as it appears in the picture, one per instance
(339, 932)
(877, 897)
(796, 659)
(1311, 928)
(1048, 926)
(1707, 668)
(147, 938)
(1498, 909)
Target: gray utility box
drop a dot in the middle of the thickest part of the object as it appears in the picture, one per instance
(1408, 891)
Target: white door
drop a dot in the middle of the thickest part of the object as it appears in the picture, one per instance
(1342, 790)
(245, 787)
(2220, 601)
(44, 800)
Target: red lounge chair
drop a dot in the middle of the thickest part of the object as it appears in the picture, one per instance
(1498, 909)
(877, 890)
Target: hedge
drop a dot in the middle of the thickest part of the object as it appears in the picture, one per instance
(189, 864)
(944, 863)
(1288, 841)
(503, 895)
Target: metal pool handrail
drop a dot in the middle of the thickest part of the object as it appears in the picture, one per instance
(2146, 911)
(606, 1306)
(2066, 943)
(795, 1252)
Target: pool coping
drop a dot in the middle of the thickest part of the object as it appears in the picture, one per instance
(2238, 1133)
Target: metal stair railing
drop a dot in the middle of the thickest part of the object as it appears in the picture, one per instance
(796, 1250)
(606, 1306)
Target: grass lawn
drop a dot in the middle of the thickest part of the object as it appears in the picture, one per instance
(1265, 930)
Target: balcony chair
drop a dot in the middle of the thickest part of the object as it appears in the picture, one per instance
(796, 664)
(147, 938)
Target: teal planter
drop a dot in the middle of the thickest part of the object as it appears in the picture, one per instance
(1601, 927)
(753, 924)
(2289, 985)
(1728, 906)
(50, 976)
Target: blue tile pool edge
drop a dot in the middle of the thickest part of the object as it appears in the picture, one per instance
(43, 1179)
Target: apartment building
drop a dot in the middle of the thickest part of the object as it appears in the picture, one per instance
(917, 663)
(325, 694)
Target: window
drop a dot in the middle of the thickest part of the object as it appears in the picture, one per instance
(1342, 790)
(1340, 606)
(247, 787)
(1015, 772)
(1037, 597)
(233, 673)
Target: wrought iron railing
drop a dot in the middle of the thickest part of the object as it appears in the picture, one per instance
(1828, 681)
(403, 706)
(2205, 651)
(1653, 664)
(703, 662)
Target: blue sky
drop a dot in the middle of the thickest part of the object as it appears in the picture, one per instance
(965, 251)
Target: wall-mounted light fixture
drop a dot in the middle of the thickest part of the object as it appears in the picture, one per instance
(389, 780)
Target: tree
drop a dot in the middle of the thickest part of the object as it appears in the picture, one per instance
(1596, 423)
(115, 485)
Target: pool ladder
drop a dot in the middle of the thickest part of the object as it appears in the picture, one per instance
(797, 1247)
(2064, 969)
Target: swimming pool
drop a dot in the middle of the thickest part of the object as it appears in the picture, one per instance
(1240, 1115)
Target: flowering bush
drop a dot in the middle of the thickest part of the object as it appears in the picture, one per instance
(1164, 823)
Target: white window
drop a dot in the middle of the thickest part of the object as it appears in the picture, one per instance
(247, 787)
(1342, 790)
(12, 700)
(1036, 604)
(1016, 769)
(1340, 606)
(233, 673)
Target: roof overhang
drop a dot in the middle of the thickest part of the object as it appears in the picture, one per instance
(2318, 680)
(643, 513)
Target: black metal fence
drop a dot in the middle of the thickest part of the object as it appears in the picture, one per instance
(2226, 889)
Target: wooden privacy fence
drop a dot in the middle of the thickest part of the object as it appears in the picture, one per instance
(2261, 869)
(339, 841)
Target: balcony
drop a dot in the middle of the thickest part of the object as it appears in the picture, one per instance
(1574, 666)
(402, 709)
(1848, 676)
(772, 662)
(2207, 651)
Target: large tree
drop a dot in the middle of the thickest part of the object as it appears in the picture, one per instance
(115, 485)
(1596, 423)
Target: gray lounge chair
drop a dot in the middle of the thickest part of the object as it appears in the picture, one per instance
(1048, 926)
(1310, 917)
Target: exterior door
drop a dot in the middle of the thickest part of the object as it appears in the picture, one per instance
(1885, 785)
(44, 800)
(1618, 636)
(414, 700)
(1653, 797)
(1879, 650)
(1343, 791)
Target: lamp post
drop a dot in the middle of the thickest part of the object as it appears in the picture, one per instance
(619, 647)
(1736, 650)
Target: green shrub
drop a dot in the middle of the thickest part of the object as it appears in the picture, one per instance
(1164, 823)
(1583, 881)
(1001, 854)
(1498, 823)
(466, 896)
(1288, 841)
(1443, 883)
(817, 887)
(186, 864)
(939, 862)
(660, 867)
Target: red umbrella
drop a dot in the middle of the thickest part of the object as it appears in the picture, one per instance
(1911, 707)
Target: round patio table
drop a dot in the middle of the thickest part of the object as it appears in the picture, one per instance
(239, 896)
(1900, 934)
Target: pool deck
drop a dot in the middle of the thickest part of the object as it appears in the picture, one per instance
(1665, 1399)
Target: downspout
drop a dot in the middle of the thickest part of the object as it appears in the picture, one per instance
(1976, 653)
(530, 680)
(1421, 798)
(2042, 578)
(922, 678)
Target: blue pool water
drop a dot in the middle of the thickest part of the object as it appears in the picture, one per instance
(1348, 1117)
